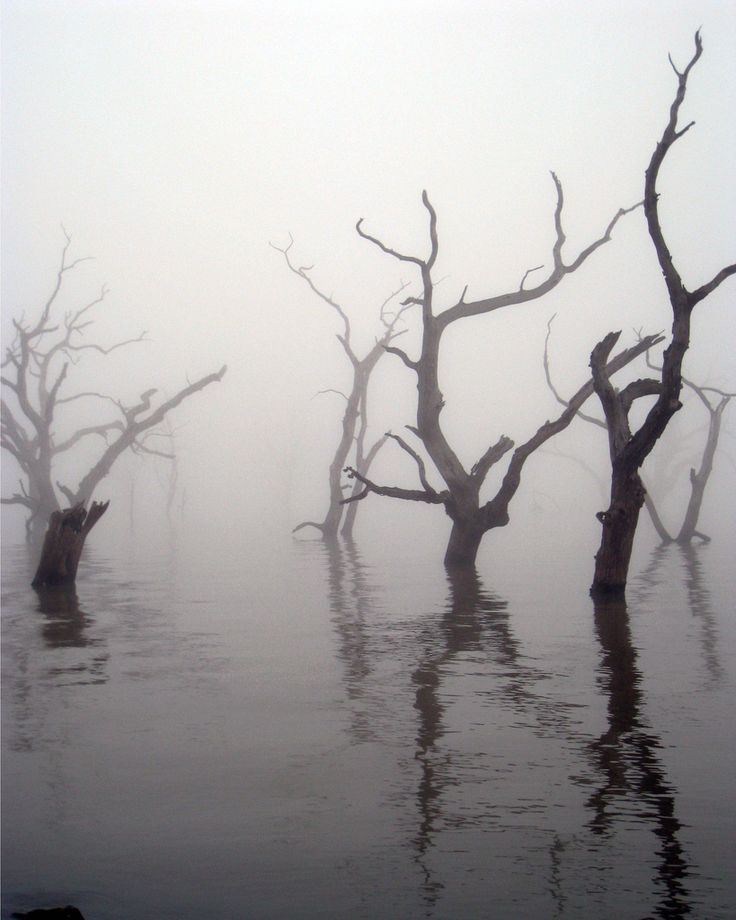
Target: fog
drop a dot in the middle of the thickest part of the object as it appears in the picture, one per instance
(175, 140)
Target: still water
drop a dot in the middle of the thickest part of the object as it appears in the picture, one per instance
(304, 732)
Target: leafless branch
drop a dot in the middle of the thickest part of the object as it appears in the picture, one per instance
(414, 495)
(303, 272)
(497, 508)
(103, 430)
(135, 427)
(548, 376)
(139, 447)
(559, 268)
(521, 284)
(87, 394)
(417, 459)
(400, 353)
(66, 492)
(697, 295)
(494, 453)
(387, 249)
(330, 390)
(681, 299)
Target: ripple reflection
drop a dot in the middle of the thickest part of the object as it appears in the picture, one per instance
(633, 780)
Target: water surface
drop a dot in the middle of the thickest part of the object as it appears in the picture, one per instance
(304, 731)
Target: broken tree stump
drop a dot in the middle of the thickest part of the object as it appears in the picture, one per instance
(64, 542)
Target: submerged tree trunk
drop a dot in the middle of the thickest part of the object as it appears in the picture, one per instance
(619, 529)
(363, 463)
(699, 479)
(64, 542)
(688, 531)
(464, 542)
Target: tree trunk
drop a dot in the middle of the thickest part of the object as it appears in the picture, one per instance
(465, 539)
(619, 528)
(699, 479)
(64, 542)
(689, 530)
(662, 532)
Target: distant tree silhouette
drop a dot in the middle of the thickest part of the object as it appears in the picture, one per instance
(355, 418)
(37, 371)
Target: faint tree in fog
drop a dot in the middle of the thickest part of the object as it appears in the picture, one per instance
(471, 517)
(355, 417)
(698, 478)
(628, 449)
(37, 368)
(715, 401)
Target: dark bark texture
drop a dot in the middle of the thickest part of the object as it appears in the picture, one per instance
(64, 542)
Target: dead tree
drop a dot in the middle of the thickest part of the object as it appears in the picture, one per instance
(628, 449)
(64, 542)
(471, 518)
(36, 371)
(698, 478)
(355, 417)
(715, 401)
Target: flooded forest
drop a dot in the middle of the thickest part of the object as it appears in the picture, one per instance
(368, 460)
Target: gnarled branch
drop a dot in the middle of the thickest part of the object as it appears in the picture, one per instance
(417, 459)
(412, 495)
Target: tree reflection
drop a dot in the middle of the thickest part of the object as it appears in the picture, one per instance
(350, 598)
(626, 756)
(701, 607)
(66, 626)
(473, 619)
(697, 592)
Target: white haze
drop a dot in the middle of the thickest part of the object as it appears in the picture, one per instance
(175, 140)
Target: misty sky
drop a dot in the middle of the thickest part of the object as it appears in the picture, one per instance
(174, 140)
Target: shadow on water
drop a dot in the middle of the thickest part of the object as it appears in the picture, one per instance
(626, 755)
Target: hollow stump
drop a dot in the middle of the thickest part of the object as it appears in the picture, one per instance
(64, 542)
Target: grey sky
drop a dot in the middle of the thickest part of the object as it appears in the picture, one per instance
(175, 139)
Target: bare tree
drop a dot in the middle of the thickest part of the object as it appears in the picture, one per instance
(355, 417)
(63, 544)
(628, 449)
(715, 401)
(36, 375)
(698, 478)
(471, 518)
